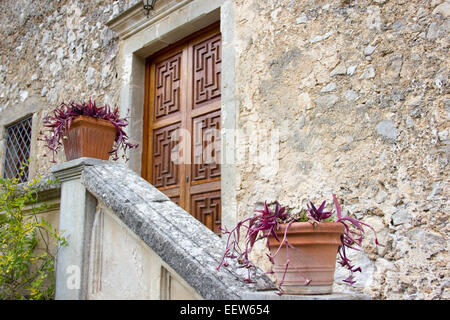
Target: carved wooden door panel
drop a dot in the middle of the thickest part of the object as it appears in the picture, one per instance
(182, 125)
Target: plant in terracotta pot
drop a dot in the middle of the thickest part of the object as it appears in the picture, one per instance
(86, 130)
(303, 246)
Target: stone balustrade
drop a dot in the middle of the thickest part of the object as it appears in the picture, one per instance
(127, 240)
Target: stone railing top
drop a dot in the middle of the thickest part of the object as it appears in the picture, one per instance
(184, 243)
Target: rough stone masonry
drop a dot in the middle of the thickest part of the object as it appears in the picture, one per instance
(358, 90)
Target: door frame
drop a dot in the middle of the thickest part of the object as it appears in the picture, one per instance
(140, 37)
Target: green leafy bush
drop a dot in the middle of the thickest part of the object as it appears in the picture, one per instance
(27, 263)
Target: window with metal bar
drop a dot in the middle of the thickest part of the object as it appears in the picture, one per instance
(18, 142)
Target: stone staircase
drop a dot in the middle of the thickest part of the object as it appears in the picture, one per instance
(129, 241)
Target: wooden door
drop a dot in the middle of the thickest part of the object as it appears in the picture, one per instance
(182, 124)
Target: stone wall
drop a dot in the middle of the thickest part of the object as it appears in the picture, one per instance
(54, 51)
(356, 89)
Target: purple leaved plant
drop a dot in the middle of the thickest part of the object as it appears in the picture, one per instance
(318, 214)
(353, 235)
(263, 225)
(61, 119)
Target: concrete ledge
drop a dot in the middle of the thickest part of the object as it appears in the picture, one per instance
(43, 187)
(70, 169)
(48, 193)
(272, 295)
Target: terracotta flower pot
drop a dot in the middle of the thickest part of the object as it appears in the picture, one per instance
(314, 256)
(89, 137)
